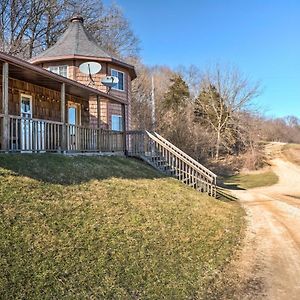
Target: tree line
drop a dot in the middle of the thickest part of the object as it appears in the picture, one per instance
(209, 113)
(29, 27)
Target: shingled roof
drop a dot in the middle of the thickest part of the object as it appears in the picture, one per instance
(77, 42)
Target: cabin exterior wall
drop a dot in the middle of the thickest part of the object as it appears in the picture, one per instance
(45, 102)
(107, 108)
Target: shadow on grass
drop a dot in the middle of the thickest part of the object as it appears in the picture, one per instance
(67, 170)
(227, 198)
(230, 186)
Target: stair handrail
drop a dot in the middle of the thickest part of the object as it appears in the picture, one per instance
(196, 168)
(192, 160)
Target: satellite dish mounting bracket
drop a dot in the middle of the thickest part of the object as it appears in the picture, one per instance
(90, 68)
(109, 82)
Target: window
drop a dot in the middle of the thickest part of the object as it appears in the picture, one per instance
(120, 76)
(116, 123)
(60, 70)
(73, 113)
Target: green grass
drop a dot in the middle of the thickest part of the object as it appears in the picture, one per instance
(248, 181)
(108, 228)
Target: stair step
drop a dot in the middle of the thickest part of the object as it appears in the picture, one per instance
(167, 166)
(155, 158)
(159, 162)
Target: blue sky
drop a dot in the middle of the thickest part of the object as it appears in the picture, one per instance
(261, 37)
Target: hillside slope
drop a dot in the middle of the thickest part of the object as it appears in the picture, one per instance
(107, 228)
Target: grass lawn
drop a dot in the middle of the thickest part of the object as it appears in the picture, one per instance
(248, 181)
(108, 228)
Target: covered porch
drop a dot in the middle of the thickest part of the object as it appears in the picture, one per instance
(22, 134)
(44, 112)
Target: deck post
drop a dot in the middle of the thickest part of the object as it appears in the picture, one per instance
(98, 123)
(124, 129)
(5, 124)
(63, 116)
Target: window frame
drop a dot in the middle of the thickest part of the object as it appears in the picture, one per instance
(58, 66)
(120, 122)
(116, 88)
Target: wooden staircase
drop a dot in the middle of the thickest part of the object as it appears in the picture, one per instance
(170, 160)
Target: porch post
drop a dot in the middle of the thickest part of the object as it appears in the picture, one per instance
(63, 116)
(98, 123)
(124, 129)
(5, 123)
(98, 112)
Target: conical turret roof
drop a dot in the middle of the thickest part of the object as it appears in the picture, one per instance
(76, 41)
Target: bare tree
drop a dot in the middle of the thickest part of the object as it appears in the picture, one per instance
(225, 92)
(141, 94)
(192, 76)
(29, 27)
(14, 21)
(109, 26)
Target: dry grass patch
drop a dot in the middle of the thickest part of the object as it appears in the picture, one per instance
(292, 153)
(252, 180)
(107, 228)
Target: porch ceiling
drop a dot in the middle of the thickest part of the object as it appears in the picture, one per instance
(22, 70)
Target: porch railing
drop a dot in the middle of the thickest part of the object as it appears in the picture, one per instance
(169, 159)
(35, 135)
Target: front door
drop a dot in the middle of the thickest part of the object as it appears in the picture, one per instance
(74, 122)
(26, 123)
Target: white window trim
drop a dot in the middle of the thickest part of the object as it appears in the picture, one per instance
(120, 117)
(116, 89)
(58, 67)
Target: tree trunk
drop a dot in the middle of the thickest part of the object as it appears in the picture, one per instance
(218, 144)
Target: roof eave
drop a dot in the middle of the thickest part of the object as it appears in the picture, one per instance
(26, 65)
(131, 69)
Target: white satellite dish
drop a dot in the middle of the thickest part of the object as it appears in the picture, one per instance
(90, 68)
(110, 81)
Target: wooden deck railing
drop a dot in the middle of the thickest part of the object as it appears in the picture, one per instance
(169, 159)
(34, 135)
(37, 135)
(187, 157)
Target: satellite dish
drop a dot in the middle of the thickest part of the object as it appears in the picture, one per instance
(90, 68)
(110, 81)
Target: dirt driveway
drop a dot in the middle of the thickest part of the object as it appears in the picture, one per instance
(271, 256)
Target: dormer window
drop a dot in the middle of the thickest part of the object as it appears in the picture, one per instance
(120, 76)
(60, 70)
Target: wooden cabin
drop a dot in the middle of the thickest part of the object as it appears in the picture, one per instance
(48, 104)
(51, 104)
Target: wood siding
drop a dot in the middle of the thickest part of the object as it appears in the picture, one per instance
(107, 108)
(45, 102)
